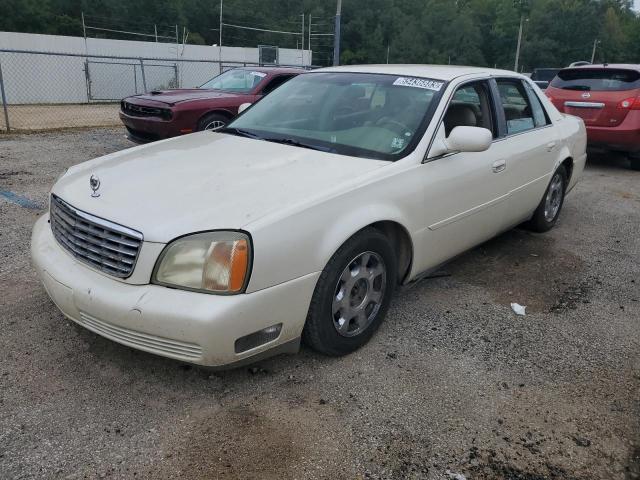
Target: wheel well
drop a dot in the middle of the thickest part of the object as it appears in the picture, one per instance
(567, 163)
(401, 243)
(224, 113)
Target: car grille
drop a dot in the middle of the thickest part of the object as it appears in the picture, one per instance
(143, 111)
(104, 245)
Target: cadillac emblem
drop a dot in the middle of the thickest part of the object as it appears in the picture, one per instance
(94, 183)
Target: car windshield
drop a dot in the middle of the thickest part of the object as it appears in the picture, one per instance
(238, 80)
(360, 114)
(603, 79)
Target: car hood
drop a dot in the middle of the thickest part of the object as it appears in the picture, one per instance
(171, 97)
(204, 181)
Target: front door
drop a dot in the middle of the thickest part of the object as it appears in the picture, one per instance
(464, 199)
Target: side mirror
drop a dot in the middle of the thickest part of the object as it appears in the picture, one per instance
(243, 107)
(468, 139)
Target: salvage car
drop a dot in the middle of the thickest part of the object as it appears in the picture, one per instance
(300, 218)
(607, 98)
(168, 113)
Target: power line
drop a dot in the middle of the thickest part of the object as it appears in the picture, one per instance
(260, 29)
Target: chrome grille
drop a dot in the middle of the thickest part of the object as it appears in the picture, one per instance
(106, 246)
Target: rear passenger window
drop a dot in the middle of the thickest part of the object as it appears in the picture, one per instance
(539, 115)
(517, 109)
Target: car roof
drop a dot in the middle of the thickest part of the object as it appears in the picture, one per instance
(598, 66)
(274, 69)
(439, 72)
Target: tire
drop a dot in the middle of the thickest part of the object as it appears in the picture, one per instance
(352, 295)
(212, 121)
(634, 162)
(548, 211)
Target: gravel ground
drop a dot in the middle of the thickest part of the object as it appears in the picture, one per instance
(453, 383)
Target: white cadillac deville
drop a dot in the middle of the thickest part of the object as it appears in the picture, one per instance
(299, 219)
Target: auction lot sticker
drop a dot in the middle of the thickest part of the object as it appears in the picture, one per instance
(419, 83)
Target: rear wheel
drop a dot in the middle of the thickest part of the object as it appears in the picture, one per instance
(212, 121)
(634, 161)
(548, 211)
(352, 294)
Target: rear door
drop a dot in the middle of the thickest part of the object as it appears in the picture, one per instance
(597, 95)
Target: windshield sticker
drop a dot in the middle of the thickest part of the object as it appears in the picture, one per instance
(397, 142)
(259, 74)
(419, 83)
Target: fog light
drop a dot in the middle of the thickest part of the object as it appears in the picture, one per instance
(258, 338)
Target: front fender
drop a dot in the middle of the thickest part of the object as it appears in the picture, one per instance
(302, 242)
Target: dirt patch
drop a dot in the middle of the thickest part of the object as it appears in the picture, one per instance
(633, 470)
(525, 268)
(51, 117)
(489, 468)
(270, 441)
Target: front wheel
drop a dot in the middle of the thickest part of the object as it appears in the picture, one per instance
(548, 211)
(352, 294)
(212, 121)
(634, 161)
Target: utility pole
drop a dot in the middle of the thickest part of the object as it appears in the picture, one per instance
(515, 67)
(220, 42)
(593, 53)
(302, 47)
(309, 43)
(336, 36)
(388, 46)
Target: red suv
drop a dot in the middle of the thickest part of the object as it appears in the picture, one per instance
(168, 113)
(607, 98)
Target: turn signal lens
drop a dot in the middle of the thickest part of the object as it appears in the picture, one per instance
(226, 266)
(215, 262)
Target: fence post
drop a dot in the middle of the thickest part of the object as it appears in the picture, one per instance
(144, 80)
(4, 101)
(135, 80)
(87, 78)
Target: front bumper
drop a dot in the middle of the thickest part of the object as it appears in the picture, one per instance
(192, 327)
(149, 129)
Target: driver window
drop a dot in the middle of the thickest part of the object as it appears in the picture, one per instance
(470, 107)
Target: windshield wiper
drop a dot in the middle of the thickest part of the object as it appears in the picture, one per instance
(238, 131)
(296, 143)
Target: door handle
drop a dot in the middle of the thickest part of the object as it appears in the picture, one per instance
(551, 146)
(498, 166)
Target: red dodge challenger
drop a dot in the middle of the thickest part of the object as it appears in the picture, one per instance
(168, 113)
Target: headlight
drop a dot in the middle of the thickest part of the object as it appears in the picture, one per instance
(212, 262)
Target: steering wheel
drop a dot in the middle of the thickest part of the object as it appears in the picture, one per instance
(343, 110)
(402, 128)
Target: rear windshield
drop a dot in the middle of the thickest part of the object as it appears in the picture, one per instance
(605, 80)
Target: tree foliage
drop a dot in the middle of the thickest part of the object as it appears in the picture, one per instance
(477, 32)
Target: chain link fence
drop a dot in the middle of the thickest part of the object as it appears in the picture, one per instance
(45, 90)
